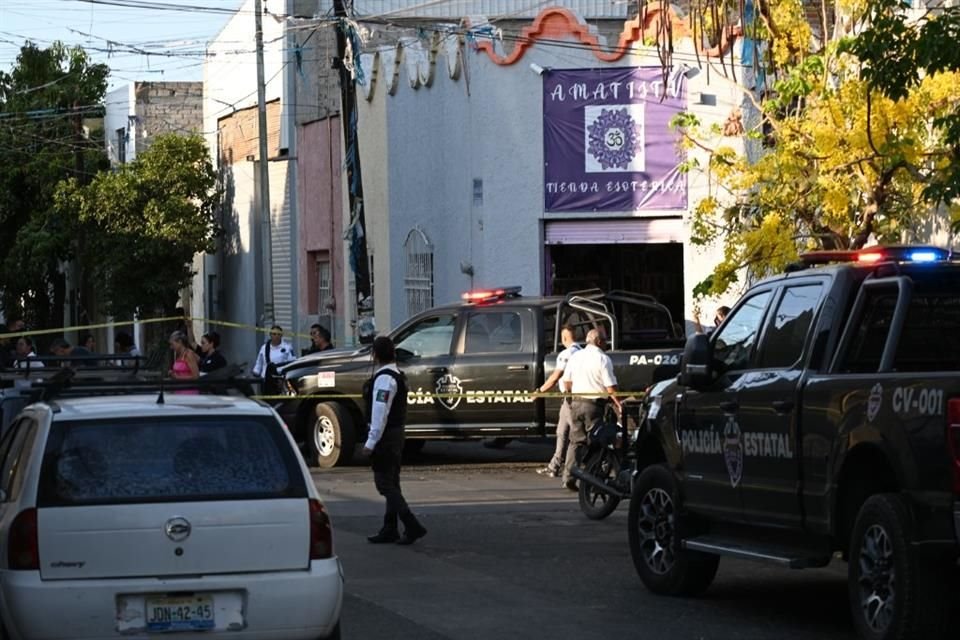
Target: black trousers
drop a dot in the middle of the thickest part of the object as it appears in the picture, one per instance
(385, 461)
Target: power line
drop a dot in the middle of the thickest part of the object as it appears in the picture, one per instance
(189, 8)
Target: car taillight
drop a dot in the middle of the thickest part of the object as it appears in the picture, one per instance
(953, 442)
(23, 546)
(321, 533)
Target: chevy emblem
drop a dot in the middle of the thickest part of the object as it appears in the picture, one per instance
(177, 529)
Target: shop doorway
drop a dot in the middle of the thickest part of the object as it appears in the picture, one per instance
(653, 269)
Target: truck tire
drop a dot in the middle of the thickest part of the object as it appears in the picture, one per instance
(595, 504)
(656, 530)
(895, 592)
(332, 437)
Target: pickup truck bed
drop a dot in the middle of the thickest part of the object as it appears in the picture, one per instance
(472, 369)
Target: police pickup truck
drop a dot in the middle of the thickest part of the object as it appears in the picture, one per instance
(822, 416)
(473, 368)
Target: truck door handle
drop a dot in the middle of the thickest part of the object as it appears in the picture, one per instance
(518, 367)
(437, 370)
(782, 406)
(729, 406)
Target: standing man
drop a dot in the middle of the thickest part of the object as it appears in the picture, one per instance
(386, 399)
(589, 376)
(274, 353)
(319, 340)
(563, 421)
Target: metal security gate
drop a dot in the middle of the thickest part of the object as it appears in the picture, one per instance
(619, 231)
(418, 282)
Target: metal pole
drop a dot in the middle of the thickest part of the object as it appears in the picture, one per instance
(266, 248)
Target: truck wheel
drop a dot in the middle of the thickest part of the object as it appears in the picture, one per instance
(333, 436)
(895, 593)
(594, 503)
(656, 530)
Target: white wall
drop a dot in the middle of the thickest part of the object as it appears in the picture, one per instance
(230, 71)
(422, 147)
(120, 107)
(230, 84)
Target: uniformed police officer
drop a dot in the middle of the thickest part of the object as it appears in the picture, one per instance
(386, 399)
(570, 347)
(589, 376)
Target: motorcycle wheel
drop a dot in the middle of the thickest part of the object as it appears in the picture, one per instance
(595, 504)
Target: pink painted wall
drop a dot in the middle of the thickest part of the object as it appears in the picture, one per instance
(321, 227)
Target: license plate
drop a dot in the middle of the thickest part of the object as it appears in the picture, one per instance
(183, 613)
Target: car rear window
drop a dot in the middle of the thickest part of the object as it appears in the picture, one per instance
(168, 460)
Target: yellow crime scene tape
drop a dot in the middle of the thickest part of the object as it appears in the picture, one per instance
(486, 398)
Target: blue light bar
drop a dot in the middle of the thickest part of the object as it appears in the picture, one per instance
(880, 254)
(924, 255)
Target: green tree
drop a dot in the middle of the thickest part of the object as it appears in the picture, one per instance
(145, 221)
(835, 163)
(898, 51)
(45, 101)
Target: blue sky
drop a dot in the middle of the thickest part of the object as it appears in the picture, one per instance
(182, 35)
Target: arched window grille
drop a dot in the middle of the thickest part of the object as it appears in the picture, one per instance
(418, 282)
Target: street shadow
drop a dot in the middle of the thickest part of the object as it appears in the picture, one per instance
(454, 453)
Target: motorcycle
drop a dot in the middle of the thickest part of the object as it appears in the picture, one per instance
(606, 467)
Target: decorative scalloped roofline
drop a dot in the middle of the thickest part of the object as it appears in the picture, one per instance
(554, 23)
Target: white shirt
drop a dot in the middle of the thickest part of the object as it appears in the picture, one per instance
(384, 391)
(564, 356)
(33, 364)
(279, 354)
(134, 352)
(591, 372)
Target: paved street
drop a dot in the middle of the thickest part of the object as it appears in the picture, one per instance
(510, 555)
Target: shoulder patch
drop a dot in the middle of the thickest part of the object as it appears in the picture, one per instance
(383, 395)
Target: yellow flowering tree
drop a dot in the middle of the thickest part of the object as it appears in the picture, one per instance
(838, 162)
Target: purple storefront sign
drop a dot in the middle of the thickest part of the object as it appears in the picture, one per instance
(607, 141)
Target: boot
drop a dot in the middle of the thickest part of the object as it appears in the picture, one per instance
(388, 533)
(412, 529)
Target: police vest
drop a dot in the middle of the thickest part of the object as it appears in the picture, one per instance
(397, 417)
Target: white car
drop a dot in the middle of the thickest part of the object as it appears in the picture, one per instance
(122, 517)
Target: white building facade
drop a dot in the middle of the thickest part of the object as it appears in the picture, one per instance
(229, 287)
(460, 188)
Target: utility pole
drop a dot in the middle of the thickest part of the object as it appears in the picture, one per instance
(348, 117)
(266, 248)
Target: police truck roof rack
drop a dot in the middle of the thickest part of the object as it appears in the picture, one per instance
(66, 383)
(94, 363)
(874, 255)
(481, 296)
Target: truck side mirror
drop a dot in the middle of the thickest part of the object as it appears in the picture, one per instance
(695, 365)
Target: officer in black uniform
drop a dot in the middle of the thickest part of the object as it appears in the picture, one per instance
(386, 400)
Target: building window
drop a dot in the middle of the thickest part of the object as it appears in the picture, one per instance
(324, 287)
(418, 283)
(121, 145)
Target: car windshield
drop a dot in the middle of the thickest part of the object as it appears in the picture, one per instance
(168, 460)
